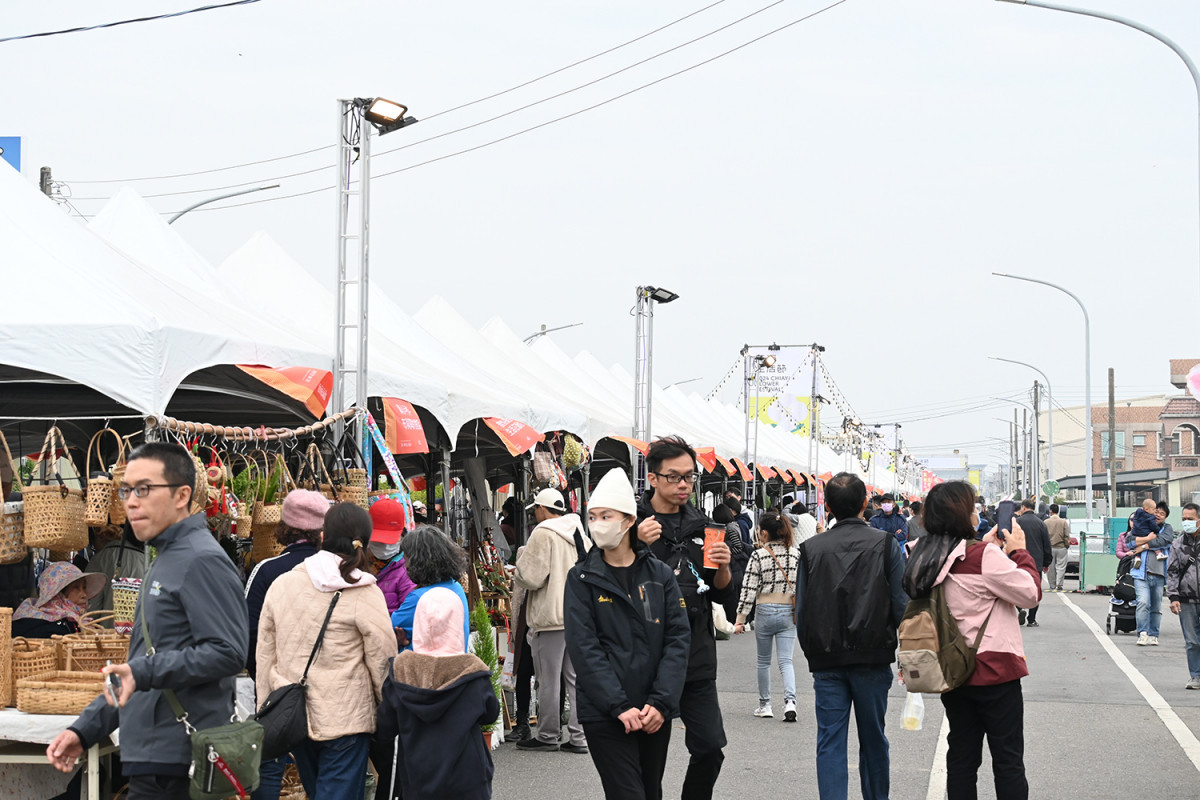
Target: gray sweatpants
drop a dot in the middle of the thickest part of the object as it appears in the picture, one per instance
(1058, 567)
(553, 667)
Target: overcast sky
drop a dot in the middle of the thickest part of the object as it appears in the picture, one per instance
(853, 179)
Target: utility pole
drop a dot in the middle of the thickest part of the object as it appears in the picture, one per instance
(1016, 456)
(1112, 446)
(1037, 446)
(44, 184)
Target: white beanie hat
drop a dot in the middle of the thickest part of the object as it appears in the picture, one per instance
(614, 491)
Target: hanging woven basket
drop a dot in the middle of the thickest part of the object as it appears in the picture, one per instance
(54, 512)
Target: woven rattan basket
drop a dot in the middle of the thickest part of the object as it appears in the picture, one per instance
(116, 509)
(54, 512)
(357, 477)
(355, 494)
(6, 682)
(58, 692)
(12, 517)
(30, 657)
(94, 646)
(125, 596)
(100, 488)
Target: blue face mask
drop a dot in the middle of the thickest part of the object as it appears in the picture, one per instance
(1189, 526)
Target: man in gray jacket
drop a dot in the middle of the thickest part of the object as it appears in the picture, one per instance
(193, 603)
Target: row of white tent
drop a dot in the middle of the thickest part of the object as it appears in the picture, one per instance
(127, 307)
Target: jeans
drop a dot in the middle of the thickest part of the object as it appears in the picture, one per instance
(270, 779)
(866, 688)
(1058, 567)
(631, 765)
(1189, 619)
(1149, 603)
(336, 769)
(775, 624)
(999, 712)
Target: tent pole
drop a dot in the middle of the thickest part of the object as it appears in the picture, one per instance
(445, 492)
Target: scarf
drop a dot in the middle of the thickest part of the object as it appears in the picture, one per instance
(56, 609)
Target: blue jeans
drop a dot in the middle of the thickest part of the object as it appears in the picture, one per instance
(1189, 619)
(866, 688)
(270, 778)
(1149, 602)
(336, 769)
(775, 623)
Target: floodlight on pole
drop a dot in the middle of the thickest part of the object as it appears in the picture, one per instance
(1087, 382)
(384, 114)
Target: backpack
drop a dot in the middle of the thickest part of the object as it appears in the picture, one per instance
(934, 656)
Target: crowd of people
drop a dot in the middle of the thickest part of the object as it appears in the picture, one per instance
(616, 618)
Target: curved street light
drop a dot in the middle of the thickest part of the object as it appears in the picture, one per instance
(1049, 403)
(194, 206)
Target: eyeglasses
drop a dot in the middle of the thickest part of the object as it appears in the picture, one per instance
(673, 479)
(143, 490)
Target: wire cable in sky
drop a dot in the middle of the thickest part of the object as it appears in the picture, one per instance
(468, 104)
(127, 21)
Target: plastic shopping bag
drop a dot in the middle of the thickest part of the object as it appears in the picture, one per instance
(914, 712)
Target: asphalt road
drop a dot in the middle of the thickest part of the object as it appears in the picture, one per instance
(1089, 731)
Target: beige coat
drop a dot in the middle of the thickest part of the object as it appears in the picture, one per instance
(1059, 530)
(345, 683)
(542, 569)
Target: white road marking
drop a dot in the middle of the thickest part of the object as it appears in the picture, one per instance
(1187, 740)
(937, 773)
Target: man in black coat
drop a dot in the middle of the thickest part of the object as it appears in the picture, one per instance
(674, 530)
(1037, 542)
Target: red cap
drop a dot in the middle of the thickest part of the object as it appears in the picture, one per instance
(388, 521)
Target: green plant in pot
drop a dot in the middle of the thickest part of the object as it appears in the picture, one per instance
(484, 649)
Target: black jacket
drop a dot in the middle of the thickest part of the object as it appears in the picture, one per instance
(849, 599)
(436, 705)
(256, 590)
(627, 652)
(676, 550)
(1037, 539)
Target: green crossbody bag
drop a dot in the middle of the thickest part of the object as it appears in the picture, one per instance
(225, 759)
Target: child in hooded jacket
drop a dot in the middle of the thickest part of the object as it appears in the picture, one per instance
(435, 699)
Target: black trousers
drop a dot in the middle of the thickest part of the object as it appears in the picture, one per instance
(1031, 614)
(524, 678)
(704, 738)
(999, 713)
(157, 787)
(631, 765)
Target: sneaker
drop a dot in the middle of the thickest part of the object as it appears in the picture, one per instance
(789, 711)
(1143, 638)
(1194, 683)
(1020, 616)
(578, 749)
(763, 710)
(520, 733)
(538, 744)
(1153, 641)
(1033, 623)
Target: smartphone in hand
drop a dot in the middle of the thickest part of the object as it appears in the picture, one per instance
(112, 682)
(1004, 517)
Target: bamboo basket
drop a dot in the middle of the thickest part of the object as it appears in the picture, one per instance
(125, 596)
(116, 508)
(94, 646)
(58, 692)
(54, 513)
(30, 657)
(12, 524)
(6, 681)
(268, 516)
(358, 477)
(99, 489)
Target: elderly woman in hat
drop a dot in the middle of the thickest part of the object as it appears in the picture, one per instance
(63, 595)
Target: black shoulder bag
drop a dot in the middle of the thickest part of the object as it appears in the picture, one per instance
(225, 759)
(284, 714)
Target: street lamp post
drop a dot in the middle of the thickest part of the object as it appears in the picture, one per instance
(643, 365)
(1130, 23)
(239, 193)
(1049, 405)
(759, 363)
(1087, 382)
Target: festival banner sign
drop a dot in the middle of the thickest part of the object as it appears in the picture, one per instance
(784, 390)
(405, 433)
(517, 436)
(310, 386)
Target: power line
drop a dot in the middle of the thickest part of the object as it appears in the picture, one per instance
(126, 21)
(468, 104)
(547, 123)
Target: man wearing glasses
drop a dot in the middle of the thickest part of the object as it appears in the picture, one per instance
(673, 528)
(192, 602)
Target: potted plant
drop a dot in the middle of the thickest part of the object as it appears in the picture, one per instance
(484, 648)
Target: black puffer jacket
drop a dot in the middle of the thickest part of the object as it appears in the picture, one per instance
(627, 652)
(676, 550)
(1183, 570)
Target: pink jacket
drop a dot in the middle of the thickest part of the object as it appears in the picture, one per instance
(979, 580)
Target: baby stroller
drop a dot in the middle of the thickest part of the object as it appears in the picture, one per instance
(1123, 615)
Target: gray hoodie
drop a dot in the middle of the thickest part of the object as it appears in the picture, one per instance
(193, 602)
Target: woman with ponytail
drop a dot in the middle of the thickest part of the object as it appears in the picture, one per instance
(770, 585)
(345, 680)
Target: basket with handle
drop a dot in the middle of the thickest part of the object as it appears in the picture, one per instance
(116, 509)
(243, 519)
(58, 692)
(353, 484)
(6, 683)
(12, 518)
(94, 645)
(321, 479)
(54, 513)
(98, 506)
(268, 515)
(30, 657)
(125, 595)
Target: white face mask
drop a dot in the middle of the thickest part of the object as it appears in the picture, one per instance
(607, 533)
(1189, 526)
(384, 552)
(887, 508)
